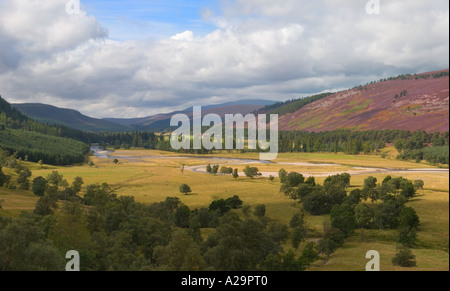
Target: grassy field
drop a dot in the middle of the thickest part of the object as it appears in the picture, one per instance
(154, 179)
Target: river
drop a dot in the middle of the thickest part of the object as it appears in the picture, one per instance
(356, 170)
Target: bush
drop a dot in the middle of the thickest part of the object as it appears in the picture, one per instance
(39, 186)
(260, 211)
(185, 189)
(316, 203)
(404, 258)
(294, 179)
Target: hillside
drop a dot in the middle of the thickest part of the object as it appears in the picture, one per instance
(408, 102)
(68, 117)
(35, 141)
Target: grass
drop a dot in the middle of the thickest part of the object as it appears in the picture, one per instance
(155, 179)
(16, 201)
(357, 106)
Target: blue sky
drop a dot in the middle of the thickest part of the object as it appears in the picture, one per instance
(154, 19)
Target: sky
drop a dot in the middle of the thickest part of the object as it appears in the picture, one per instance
(127, 59)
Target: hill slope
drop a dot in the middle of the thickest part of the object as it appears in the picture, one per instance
(68, 117)
(410, 102)
(36, 141)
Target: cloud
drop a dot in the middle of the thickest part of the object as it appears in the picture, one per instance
(259, 49)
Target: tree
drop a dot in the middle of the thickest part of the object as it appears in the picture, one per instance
(336, 195)
(309, 255)
(180, 254)
(418, 185)
(408, 218)
(343, 218)
(283, 175)
(23, 247)
(77, 184)
(203, 217)
(219, 205)
(251, 172)
(354, 198)
(298, 235)
(55, 178)
(209, 169)
(303, 190)
(271, 178)
(408, 190)
(311, 181)
(215, 169)
(331, 241)
(185, 189)
(260, 210)
(116, 161)
(39, 186)
(297, 220)
(290, 263)
(386, 215)
(41, 163)
(99, 196)
(278, 232)
(370, 182)
(226, 171)
(45, 206)
(234, 202)
(407, 236)
(364, 216)
(404, 258)
(182, 215)
(2, 177)
(235, 174)
(316, 203)
(294, 179)
(23, 178)
(339, 180)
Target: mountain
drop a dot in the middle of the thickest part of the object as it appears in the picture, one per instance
(68, 117)
(162, 121)
(74, 119)
(407, 102)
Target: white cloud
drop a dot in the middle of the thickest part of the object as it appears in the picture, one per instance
(185, 36)
(260, 49)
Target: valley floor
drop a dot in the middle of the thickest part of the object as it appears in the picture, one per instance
(151, 176)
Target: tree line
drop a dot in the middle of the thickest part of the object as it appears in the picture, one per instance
(417, 145)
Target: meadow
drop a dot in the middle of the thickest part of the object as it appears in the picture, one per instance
(153, 178)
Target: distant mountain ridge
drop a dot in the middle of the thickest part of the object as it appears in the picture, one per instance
(68, 117)
(71, 118)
